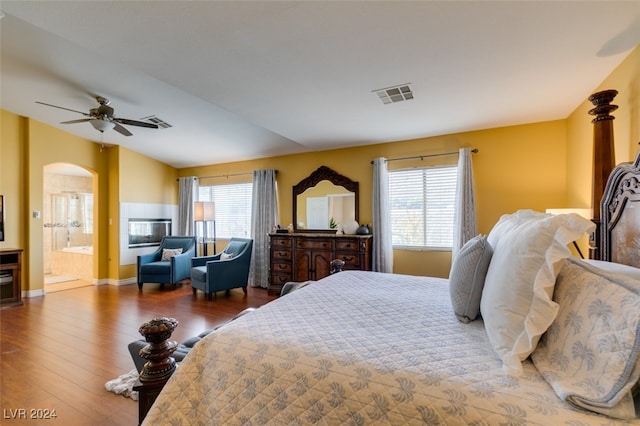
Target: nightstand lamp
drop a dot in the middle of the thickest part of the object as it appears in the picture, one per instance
(586, 213)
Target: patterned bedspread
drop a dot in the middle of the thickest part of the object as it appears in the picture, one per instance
(357, 348)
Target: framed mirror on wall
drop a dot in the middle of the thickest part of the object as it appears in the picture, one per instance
(1, 217)
(324, 200)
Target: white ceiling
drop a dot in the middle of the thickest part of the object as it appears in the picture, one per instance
(249, 79)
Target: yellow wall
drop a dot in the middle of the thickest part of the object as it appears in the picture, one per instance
(516, 167)
(626, 80)
(113, 213)
(144, 180)
(140, 180)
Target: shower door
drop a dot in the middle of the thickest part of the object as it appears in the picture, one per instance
(72, 220)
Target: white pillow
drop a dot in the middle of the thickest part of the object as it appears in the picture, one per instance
(508, 221)
(225, 256)
(167, 254)
(516, 303)
(616, 268)
(466, 278)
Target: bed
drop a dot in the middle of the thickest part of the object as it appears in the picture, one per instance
(521, 333)
(370, 348)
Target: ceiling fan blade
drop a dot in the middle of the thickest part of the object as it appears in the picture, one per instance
(135, 123)
(68, 109)
(120, 129)
(80, 120)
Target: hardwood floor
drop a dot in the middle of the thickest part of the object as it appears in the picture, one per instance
(58, 351)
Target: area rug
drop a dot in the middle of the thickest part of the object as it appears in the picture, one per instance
(123, 385)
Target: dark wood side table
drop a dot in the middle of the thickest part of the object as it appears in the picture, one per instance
(10, 277)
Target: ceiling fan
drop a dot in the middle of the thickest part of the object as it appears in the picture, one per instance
(102, 118)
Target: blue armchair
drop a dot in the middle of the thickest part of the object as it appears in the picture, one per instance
(152, 269)
(224, 271)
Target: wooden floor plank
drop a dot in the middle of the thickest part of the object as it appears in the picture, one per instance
(58, 351)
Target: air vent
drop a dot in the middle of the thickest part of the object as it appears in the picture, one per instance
(155, 120)
(394, 94)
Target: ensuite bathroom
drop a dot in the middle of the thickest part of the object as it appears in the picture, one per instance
(67, 219)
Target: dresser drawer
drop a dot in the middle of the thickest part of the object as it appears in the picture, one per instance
(348, 245)
(281, 243)
(351, 261)
(277, 255)
(281, 267)
(303, 243)
(280, 279)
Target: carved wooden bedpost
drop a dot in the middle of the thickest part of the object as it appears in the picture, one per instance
(159, 366)
(603, 159)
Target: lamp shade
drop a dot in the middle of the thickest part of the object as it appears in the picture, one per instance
(586, 213)
(204, 210)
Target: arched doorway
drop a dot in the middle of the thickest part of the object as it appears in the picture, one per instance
(68, 227)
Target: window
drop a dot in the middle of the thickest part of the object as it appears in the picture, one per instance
(233, 208)
(422, 206)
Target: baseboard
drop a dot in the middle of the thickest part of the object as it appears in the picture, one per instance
(26, 294)
(102, 281)
(114, 282)
(126, 281)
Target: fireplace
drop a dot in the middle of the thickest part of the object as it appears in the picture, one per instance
(148, 232)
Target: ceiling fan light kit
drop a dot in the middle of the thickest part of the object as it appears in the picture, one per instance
(102, 125)
(102, 118)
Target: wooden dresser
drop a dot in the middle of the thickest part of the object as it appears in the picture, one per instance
(301, 257)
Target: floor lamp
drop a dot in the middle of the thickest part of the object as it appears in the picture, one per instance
(205, 212)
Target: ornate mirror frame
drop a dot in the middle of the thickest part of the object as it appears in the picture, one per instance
(2, 209)
(320, 174)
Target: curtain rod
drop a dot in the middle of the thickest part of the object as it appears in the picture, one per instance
(422, 157)
(223, 176)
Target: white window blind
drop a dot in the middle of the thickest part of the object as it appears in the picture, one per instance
(422, 206)
(233, 208)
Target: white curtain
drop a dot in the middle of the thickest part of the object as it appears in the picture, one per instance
(264, 217)
(187, 194)
(382, 248)
(465, 226)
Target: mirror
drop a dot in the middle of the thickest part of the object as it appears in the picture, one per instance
(323, 200)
